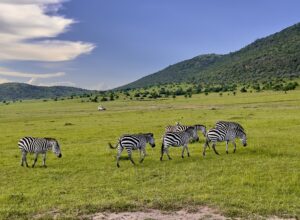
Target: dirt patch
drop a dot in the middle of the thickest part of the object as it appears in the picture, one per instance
(201, 213)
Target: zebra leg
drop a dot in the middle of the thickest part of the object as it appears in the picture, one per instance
(187, 150)
(142, 154)
(130, 158)
(35, 159)
(167, 152)
(120, 149)
(129, 151)
(214, 148)
(24, 158)
(234, 144)
(182, 153)
(162, 151)
(204, 147)
(226, 147)
(44, 160)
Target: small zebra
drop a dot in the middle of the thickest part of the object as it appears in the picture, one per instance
(179, 127)
(133, 142)
(38, 146)
(177, 139)
(227, 133)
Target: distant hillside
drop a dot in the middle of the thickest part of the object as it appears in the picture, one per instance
(275, 56)
(16, 91)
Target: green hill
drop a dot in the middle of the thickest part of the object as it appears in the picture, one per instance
(13, 91)
(275, 56)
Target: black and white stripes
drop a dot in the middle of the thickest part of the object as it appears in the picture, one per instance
(38, 146)
(225, 131)
(134, 142)
(177, 139)
(180, 127)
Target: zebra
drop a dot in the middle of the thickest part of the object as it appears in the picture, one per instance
(180, 127)
(38, 146)
(227, 133)
(133, 142)
(177, 139)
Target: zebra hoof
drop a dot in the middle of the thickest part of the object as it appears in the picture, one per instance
(226, 152)
(170, 158)
(160, 159)
(188, 155)
(118, 165)
(182, 156)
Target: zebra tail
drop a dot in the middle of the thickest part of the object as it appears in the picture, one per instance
(112, 147)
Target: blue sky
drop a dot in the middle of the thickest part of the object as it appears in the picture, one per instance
(101, 44)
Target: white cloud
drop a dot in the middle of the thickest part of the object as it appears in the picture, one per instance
(2, 80)
(23, 23)
(65, 83)
(33, 77)
(7, 72)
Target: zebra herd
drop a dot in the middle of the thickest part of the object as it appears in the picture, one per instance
(180, 135)
(175, 136)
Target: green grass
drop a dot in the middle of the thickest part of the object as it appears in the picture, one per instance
(261, 179)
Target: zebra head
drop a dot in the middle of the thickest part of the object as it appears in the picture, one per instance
(55, 147)
(242, 135)
(202, 128)
(192, 130)
(150, 139)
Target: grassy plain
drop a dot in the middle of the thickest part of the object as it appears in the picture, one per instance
(261, 179)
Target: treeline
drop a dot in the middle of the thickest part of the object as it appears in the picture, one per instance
(187, 90)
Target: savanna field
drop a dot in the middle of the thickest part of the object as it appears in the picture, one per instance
(261, 179)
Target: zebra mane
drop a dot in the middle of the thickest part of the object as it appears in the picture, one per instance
(199, 125)
(190, 127)
(151, 134)
(241, 129)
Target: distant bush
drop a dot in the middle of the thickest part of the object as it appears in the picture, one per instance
(104, 99)
(243, 89)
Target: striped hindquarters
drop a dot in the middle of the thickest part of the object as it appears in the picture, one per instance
(215, 135)
(33, 145)
(173, 139)
(132, 141)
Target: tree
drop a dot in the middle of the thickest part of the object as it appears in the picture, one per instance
(111, 97)
(243, 89)
(104, 99)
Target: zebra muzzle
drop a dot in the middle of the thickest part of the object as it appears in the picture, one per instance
(59, 156)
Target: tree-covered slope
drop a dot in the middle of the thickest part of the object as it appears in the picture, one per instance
(13, 91)
(275, 56)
